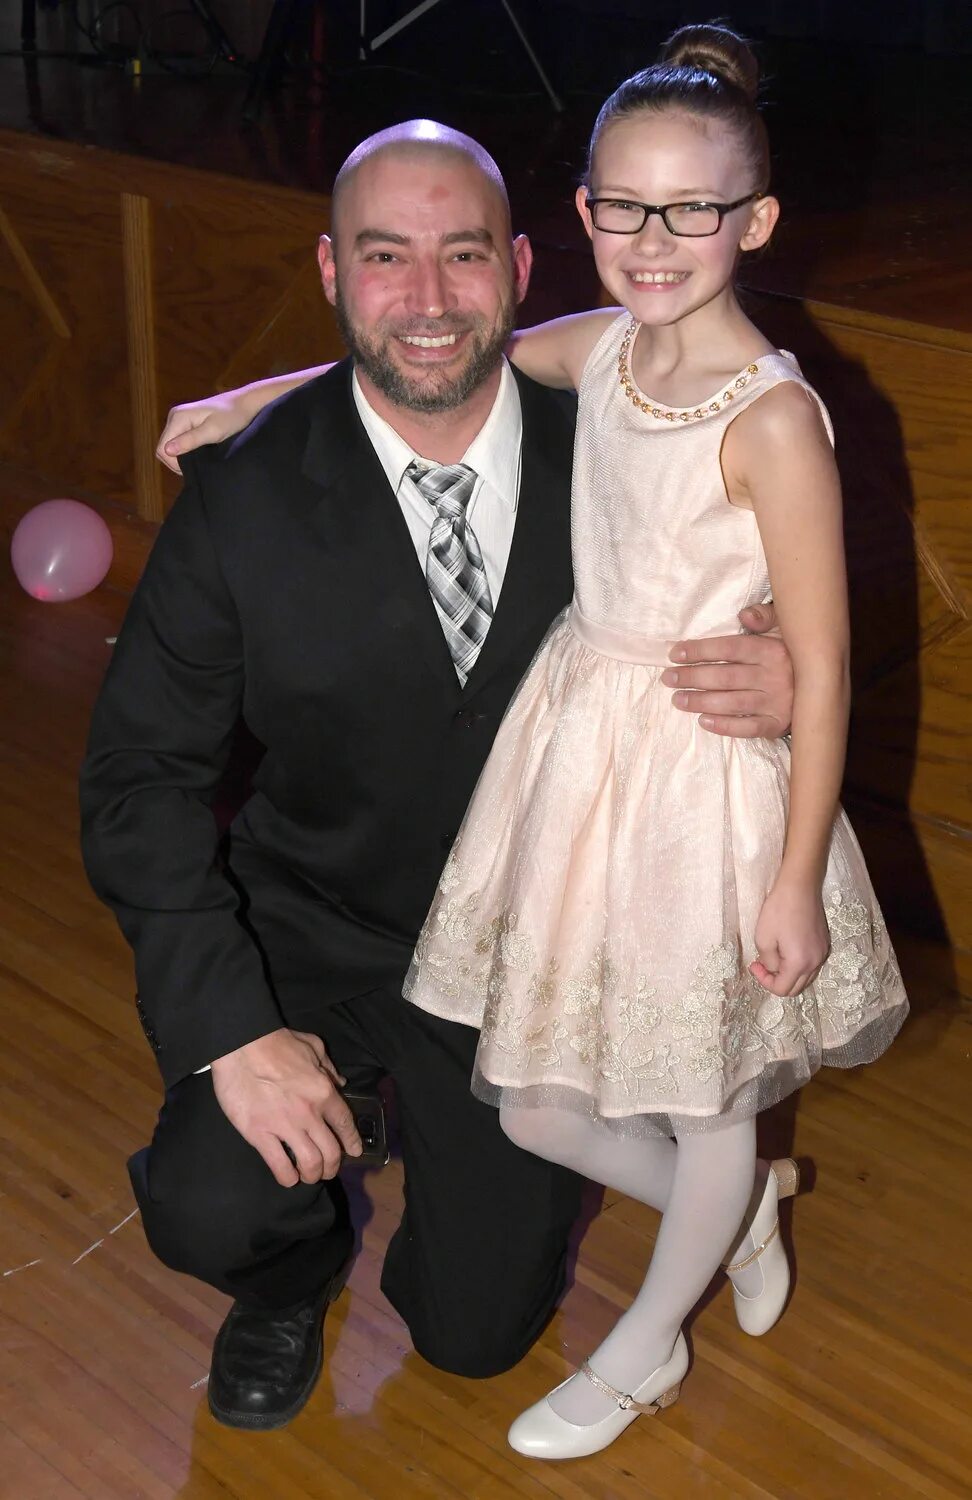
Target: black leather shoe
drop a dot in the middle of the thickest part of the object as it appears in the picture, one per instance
(266, 1360)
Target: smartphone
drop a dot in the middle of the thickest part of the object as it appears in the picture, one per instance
(369, 1120)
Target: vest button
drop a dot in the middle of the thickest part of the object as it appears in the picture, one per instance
(447, 839)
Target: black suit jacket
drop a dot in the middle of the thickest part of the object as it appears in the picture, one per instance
(284, 589)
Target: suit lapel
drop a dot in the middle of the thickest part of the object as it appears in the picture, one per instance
(367, 537)
(355, 511)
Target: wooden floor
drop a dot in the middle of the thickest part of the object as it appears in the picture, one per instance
(863, 1390)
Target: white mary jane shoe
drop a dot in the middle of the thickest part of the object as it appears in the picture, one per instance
(540, 1433)
(756, 1315)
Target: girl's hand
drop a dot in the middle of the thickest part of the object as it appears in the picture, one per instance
(792, 938)
(195, 423)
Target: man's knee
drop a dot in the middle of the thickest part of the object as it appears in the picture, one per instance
(190, 1224)
(474, 1329)
(475, 1352)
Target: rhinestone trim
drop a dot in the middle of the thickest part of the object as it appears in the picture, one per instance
(626, 1402)
(740, 1264)
(688, 414)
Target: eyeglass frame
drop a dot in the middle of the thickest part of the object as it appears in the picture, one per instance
(662, 209)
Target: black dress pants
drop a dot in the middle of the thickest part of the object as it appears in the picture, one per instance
(478, 1260)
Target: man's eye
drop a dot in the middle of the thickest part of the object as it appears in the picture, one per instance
(467, 256)
(383, 257)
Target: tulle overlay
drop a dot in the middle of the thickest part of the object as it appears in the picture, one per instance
(596, 916)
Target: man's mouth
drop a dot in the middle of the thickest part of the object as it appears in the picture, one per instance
(657, 278)
(420, 341)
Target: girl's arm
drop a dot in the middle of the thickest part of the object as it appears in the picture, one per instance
(555, 353)
(194, 423)
(552, 353)
(778, 460)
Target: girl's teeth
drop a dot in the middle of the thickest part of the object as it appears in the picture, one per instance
(658, 277)
(449, 338)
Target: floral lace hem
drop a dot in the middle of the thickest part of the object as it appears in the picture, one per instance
(612, 1036)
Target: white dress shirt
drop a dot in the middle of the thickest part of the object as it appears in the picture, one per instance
(494, 453)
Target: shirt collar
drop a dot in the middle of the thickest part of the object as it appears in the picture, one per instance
(494, 452)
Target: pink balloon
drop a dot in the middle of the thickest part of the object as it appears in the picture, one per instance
(60, 550)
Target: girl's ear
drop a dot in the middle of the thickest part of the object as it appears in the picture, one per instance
(580, 202)
(762, 222)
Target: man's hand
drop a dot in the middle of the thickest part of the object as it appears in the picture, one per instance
(740, 685)
(282, 1090)
(195, 423)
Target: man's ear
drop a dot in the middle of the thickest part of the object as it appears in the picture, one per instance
(325, 259)
(522, 265)
(762, 222)
(580, 203)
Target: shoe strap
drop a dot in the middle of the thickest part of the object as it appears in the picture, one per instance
(627, 1403)
(740, 1265)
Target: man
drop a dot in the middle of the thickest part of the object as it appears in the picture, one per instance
(283, 588)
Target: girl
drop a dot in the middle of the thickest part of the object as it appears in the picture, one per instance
(638, 915)
(661, 932)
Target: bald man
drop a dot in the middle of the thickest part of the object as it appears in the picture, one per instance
(293, 587)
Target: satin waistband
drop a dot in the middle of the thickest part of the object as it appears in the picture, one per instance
(623, 645)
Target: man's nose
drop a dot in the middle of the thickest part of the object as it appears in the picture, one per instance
(430, 294)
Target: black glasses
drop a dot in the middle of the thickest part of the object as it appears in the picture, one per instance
(688, 220)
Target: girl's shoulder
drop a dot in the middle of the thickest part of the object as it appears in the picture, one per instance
(780, 432)
(781, 405)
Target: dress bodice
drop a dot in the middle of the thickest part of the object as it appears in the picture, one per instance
(658, 549)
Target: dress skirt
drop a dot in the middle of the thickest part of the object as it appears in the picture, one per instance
(596, 916)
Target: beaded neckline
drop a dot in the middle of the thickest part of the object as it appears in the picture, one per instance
(686, 414)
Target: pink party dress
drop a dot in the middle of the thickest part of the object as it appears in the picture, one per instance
(595, 918)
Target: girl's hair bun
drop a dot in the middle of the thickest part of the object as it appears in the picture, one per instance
(717, 50)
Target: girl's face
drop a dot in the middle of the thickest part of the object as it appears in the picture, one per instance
(673, 158)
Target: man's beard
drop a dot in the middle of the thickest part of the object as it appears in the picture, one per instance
(437, 390)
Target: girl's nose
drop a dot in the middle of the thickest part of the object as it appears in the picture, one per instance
(653, 236)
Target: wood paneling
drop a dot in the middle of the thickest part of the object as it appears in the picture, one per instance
(901, 398)
(126, 286)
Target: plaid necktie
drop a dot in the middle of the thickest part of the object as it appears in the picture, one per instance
(454, 565)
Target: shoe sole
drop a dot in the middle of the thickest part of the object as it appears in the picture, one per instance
(253, 1421)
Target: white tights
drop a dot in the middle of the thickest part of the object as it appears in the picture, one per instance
(705, 1186)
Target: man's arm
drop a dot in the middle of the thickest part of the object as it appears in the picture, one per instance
(739, 685)
(160, 737)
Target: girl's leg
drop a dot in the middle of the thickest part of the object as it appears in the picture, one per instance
(641, 1169)
(709, 1194)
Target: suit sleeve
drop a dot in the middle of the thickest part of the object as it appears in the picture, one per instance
(161, 733)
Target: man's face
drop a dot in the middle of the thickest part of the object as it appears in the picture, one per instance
(423, 276)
